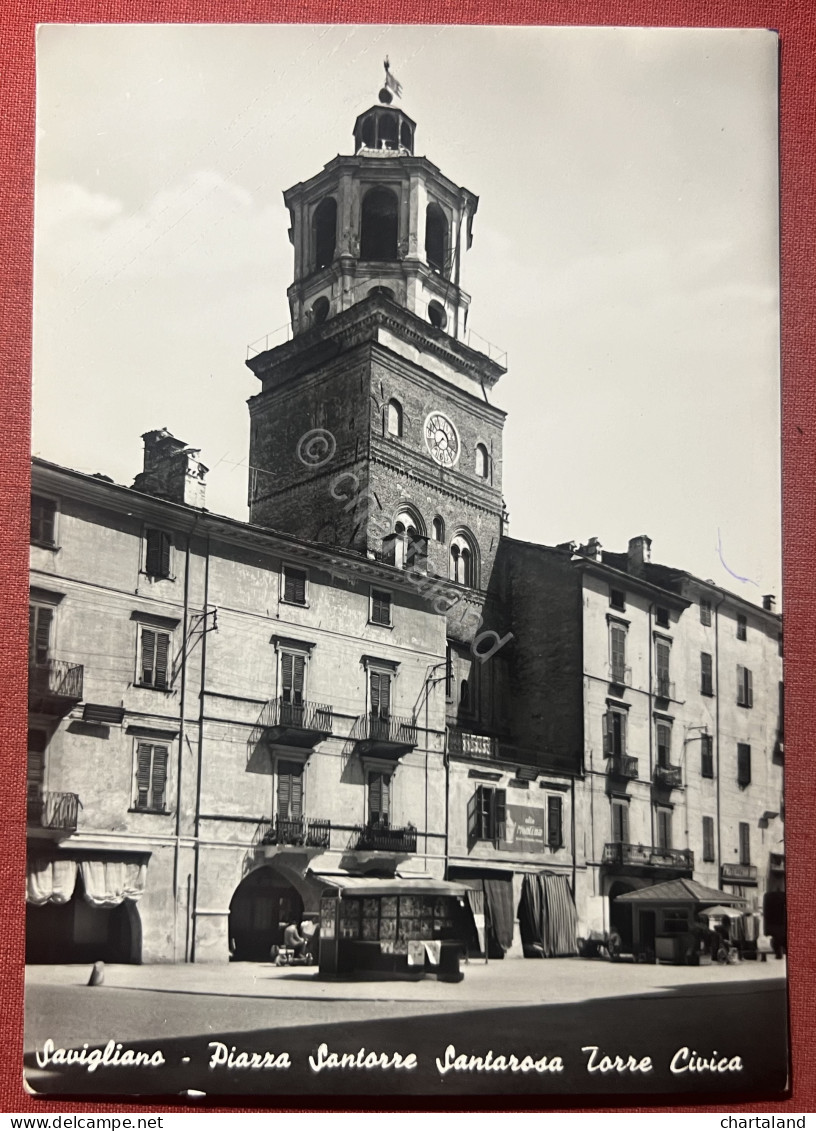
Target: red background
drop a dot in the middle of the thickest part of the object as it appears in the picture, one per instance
(796, 22)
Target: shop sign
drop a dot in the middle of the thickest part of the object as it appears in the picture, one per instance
(525, 829)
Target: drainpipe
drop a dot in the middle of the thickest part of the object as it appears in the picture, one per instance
(179, 766)
(572, 835)
(717, 729)
(200, 759)
(651, 718)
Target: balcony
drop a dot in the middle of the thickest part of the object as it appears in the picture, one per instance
(379, 837)
(292, 724)
(55, 811)
(294, 832)
(406, 551)
(620, 675)
(54, 687)
(622, 855)
(739, 873)
(668, 776)
(663, 687)
(384, 737)
(622, 766)
(472, 745)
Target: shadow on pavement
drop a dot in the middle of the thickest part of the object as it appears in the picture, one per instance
(742, 1021)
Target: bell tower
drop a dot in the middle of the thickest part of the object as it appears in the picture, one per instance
(373, 429)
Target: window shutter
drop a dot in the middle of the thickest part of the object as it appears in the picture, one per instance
(607, 735)
(153, 555)
(617, 646)
(374, 796)
(708, 838)
(286, 676)
(624, 823)
(159, 776)
(375, 693)
(143, 758)
(162, 650)
(749, 688)
(380, 694)
(39, 633)
(298, 668)
(385, 796)
(623, 717)
(555, 836)
(284, 794)
(148, 655)
(296, 804)
(164, 562)
(473, 811)
(499, 814)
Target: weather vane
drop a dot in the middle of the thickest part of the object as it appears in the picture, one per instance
(391, 84)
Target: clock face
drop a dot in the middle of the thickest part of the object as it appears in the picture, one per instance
(442, 439)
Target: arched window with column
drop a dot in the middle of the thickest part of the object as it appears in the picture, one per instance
(324, 232)
(410, 531)
(379, 232)
(463, 565)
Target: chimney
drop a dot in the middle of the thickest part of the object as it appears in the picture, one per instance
(769, 602)
(639, 553)
(172, 470)
(592, 549)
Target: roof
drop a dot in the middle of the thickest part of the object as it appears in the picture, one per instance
(679, 891)
(374, 885)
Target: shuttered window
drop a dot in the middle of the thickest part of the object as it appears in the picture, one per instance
(663, 732)
(379, 798)
(293, 669)
(662, 663)
(614, 733)
(745, 687)
(742, 627)
(707, 756)
(380, 685)
(617, 651)
(37, 742)
(555, 823)
(706, 674)
(705, 612)
(380, 606)
(290, 790)
(664, 829)
(620, 822)
(487, 814)
(43, 520)
(708, 838)
(155, 657)
(743, 764)
(744, 843)
(157, 556)
(294, 585)
(40, 620)
(151, 776)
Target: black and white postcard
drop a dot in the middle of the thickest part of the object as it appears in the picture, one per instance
(405, 633)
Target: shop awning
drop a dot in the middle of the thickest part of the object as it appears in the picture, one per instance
(372, 885)
(680, 891)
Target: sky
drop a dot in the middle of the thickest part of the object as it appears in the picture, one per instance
(625, 255)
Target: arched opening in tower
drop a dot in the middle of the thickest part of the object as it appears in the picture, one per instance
(388, 131)
(324, 225)
(436, 238)
(380, 225)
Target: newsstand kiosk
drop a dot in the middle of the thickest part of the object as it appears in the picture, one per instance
(393, 928)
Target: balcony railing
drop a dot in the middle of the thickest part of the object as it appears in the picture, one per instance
(670, 777)
(739, 873)
(620, 674)
(379, 837)
(473, 745)
(55, 686)
(620, 854)
(622, 766)
(296, 831)
(663, 687)
(294, 724)
(54, 811)
(388, 735)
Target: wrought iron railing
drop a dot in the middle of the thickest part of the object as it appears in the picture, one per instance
(296, 716)
(297, 831)
(379, 837)
(663, 687)
(387, 729)
(56, 679)
(50, 810)
(620, 674)
(648, 855)
(669, 776)
(622, 766)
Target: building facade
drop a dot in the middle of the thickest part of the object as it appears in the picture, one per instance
(370, 677)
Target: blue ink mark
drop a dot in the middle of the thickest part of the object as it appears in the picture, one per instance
(727, 568)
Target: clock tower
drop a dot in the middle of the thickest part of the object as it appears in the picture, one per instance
(374, 429)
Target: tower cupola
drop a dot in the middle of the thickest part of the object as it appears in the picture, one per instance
(380, 221)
